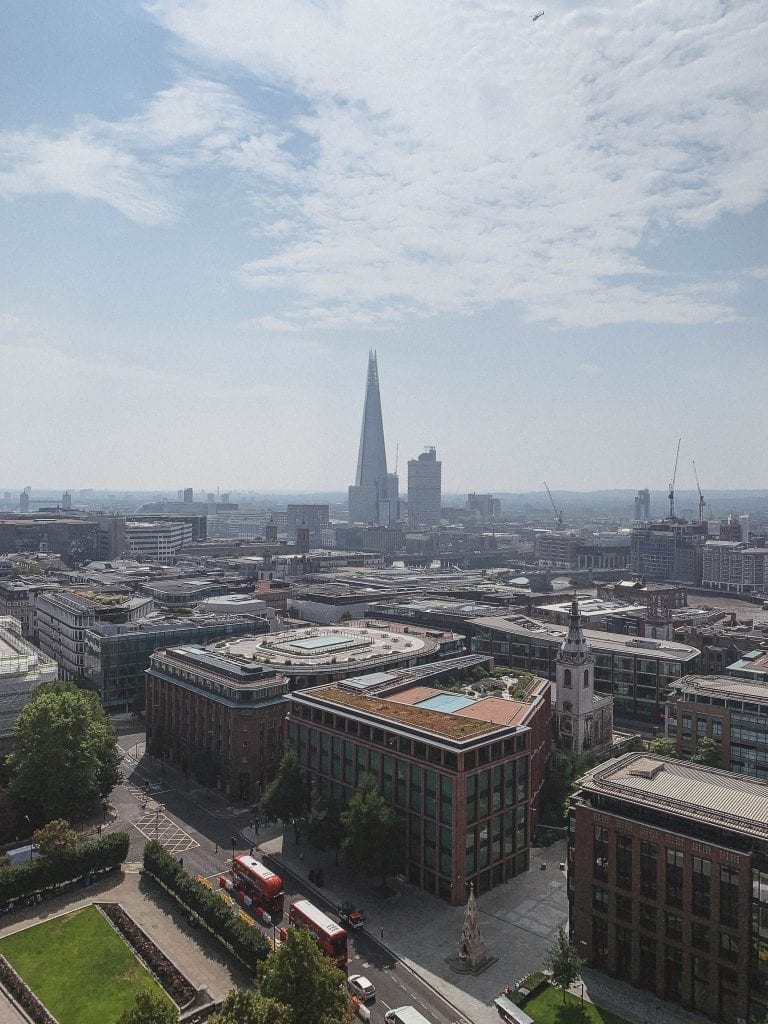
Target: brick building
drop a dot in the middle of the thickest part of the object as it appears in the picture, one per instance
(464, 773)
(217, 717)
(668, 881)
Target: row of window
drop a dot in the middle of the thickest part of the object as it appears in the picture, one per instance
(683, 875)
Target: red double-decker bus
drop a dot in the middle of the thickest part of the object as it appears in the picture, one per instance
(330, 937)
(262, 886)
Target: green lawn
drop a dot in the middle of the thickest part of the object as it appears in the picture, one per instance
(548, 1008)
(78, 967)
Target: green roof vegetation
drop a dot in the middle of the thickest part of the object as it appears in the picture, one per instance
(439, 722)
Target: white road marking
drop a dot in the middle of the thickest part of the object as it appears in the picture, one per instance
(160, 827)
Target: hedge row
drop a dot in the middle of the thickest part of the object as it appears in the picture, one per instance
(34, 876)
(247, 942)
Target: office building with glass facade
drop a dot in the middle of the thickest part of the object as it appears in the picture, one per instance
(638, 673)
(731, 712)
(668, 882)
(464, 773)
(117, 656)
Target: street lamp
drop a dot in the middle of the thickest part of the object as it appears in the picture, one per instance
(234, 844)
(582, 1001)
(158, 809)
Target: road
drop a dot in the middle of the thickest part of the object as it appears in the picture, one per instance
(153, 804)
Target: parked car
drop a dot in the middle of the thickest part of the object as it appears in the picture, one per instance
(352, 918)
(361, 987)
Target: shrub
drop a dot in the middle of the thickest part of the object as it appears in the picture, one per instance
(248, 944)
(92, 857)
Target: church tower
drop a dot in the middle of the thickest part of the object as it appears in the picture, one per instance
(575, 678)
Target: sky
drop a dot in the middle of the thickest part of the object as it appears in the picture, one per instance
(554, 233)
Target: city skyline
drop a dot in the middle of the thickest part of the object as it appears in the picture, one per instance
(553, 234)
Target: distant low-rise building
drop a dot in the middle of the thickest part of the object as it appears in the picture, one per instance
(734, 567)
(157, 541)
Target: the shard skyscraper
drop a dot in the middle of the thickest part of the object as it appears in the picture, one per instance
(373, 498)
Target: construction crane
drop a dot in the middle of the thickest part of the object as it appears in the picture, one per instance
(702, 503)
(558, 515)
(671, 494)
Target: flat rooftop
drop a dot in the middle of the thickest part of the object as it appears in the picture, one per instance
(723, 799)
(398, 712)
(522, 625)
(726, 687)
(754, 661)
(330, 648)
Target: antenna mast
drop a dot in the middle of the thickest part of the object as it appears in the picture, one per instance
(671, 494)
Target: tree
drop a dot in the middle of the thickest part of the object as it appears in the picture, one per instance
(708, 752)
(373, 835)
(287, 796)
(150, 1009)
(241, 1007)
(563, 962)
(323, 825)
(662, 746)
(301, 977)
(65, 754)
(56, 839)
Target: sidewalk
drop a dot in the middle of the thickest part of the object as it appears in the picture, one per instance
(518, 920)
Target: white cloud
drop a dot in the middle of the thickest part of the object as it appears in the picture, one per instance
(460, 155)
(130, 164)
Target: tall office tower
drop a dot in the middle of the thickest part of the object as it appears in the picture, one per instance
(24, 501)
(188, 496)
(643, 505)
(66, 500)
(368, 496)
(424, 490)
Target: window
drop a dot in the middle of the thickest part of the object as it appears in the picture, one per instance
(729, 896)
(624, 907)
(673, 926)
(700, 878)
(729, 946)
(700, 936)
(648, 869)
(624, 861)
(599, 941)
(567, 677)
(674, 880)
(623, 951)
(647, 962)
(600, 852)
(600, 899)
(648, 917)
(586, 677)
(673, 972)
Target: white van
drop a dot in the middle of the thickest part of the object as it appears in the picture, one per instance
(405, 1015)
